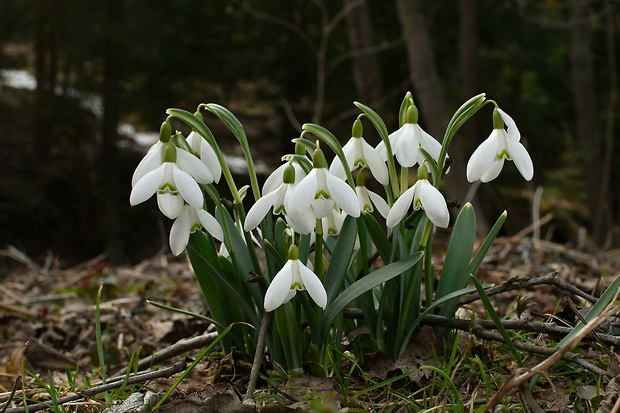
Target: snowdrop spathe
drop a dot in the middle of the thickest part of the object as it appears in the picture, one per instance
(294, 276)
(487, 160)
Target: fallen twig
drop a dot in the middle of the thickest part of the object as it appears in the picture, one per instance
(139, 378)
(522, 375)
(477, 327)
(13, 390)
(518, 324)
(517, 283)
(180, 347)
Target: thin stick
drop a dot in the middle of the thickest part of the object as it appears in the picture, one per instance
(17, 380)
(523, 374)
(140, 378)
(182, 346)
(258, 356)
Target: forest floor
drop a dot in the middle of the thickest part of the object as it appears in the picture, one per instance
(48, 332)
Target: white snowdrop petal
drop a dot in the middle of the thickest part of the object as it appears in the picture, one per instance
(171, 205)
(434, 204)
(209, 223)
(147, 186)
(343, 195)
(274, 180)
(513, 131)
(188, 188)
(303, 195)
(279, 287)
(400, 207)
(379, 203)
(151, 161)
(209, 158)
(179, 233)
(482, 158)
(313, 285)
(375, 163)
(521, 158)
(493, 172)
(194, 167)
(258, 211)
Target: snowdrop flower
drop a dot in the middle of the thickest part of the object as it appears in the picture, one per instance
(407, 140)
(189, 220)
(332, 223)
(273, 196)
(488, 159)
(359, 153)
(206, 154)
(172, 184)
(370, 200)
(423, 195)
(315, 196)
(293, 277)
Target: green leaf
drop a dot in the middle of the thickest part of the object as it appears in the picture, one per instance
(375, 119)
(380, 240)
(455, 273)
(366, 284)
(452, 296)
(595, 311)
(486, 245)
(498, 323)
(340, 259)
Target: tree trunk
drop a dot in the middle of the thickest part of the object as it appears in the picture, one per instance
(365, 65)
(428, 94)
(585, 106)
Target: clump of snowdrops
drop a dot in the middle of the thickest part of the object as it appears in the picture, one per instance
(327, 243)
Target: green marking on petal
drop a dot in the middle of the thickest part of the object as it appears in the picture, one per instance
(195, 227)
(503, 154)
(168, 187)
(359, 163)
(297, 286)
(322, 194)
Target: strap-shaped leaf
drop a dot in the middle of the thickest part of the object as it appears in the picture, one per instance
(454, 275)
(366, 284)
(340, 259)
(380, 240)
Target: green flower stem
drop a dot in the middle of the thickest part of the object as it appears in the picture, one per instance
(200, 127)
(318, 250)
(333, 143)
(382, 130)
(466, 111)
(428, 270)
(404, 179)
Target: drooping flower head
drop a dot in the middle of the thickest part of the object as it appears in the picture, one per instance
(293, 277)
(315, 196)
(359, 153)
(190, 220)
(173, 185)
(407, 141)
(423, 195)
(368, 199)
(206, 154)
(275, 197)
(487, 160)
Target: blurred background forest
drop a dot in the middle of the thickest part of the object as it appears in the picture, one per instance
(85, 83)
